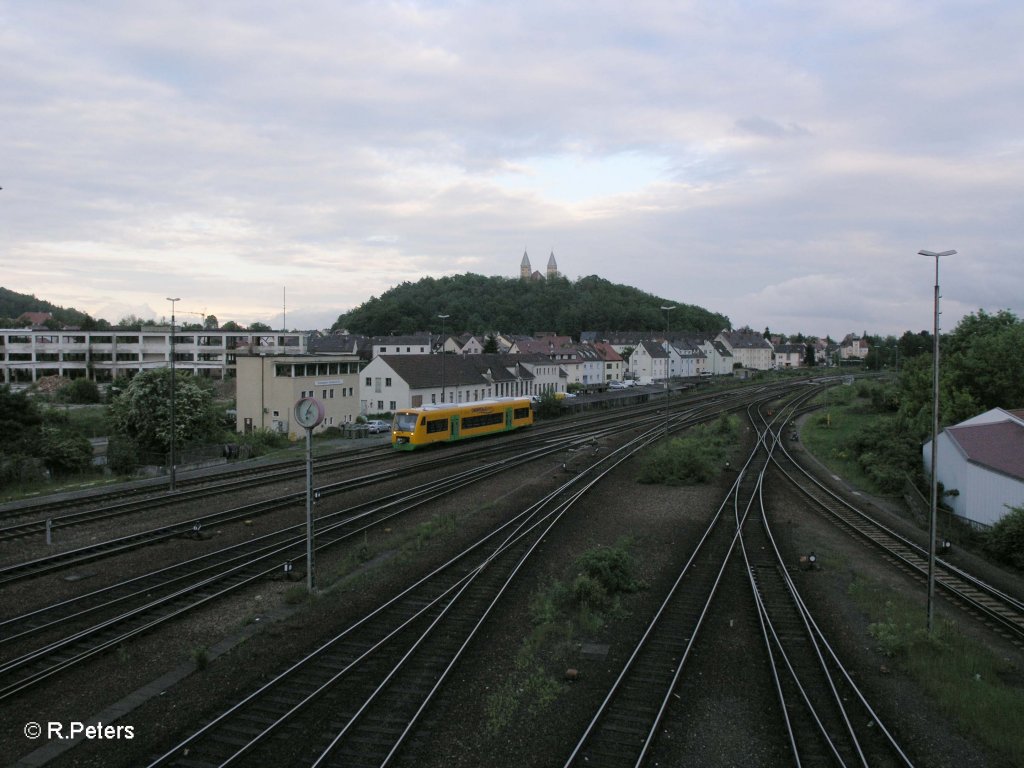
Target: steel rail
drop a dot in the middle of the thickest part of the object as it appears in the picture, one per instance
(811, 642)
(326, 685)
(1000, 608)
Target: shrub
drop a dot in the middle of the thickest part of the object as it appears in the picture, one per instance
(79, 391)
(122, 456)
(1006, 539)
(261, 441)
(64, 452)
(612, 568)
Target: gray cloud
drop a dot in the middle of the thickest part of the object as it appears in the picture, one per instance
(780, 164)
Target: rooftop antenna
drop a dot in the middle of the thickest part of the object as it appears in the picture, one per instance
(284, 308)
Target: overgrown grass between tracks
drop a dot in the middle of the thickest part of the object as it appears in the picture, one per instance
(562, 613)
(695, 457)
(965, 678)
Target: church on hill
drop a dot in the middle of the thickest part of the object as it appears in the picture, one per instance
(526, 273)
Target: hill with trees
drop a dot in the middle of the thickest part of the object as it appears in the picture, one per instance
(13, 305)
(511, 305)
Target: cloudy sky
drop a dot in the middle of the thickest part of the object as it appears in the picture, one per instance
(778, 162)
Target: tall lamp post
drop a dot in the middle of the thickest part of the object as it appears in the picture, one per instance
(668, 363)
(443, 318)
(173, 361)
(935, 439)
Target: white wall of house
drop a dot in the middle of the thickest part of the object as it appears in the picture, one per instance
(381, 389)
(982, 494)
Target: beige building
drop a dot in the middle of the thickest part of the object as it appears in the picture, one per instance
(268, 386)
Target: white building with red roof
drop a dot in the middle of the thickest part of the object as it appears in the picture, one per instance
(982, 460)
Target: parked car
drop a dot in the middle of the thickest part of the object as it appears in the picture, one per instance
(377, 426)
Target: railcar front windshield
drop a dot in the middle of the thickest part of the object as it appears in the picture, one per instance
(405, 422)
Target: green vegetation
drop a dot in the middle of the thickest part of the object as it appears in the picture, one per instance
(13, 305)
(481, 304)
(260, 442)
(38, 443)
(561, 614)
(696, 457)
(201, 658)
(873, 432)
(964, 678)
(141, 412)
(855, 435)
(1006, 539)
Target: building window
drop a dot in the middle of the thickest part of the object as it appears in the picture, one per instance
(392, 406)
(387, 382)
(369, 381)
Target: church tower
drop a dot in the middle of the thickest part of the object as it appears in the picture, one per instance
(552, 266)
(524, 267)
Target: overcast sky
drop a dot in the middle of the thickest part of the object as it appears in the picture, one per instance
(779, 162)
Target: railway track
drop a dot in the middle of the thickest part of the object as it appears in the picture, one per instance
(103, 619)
(1000, 610)
(359, 696)
(828, 720)
(38, 518)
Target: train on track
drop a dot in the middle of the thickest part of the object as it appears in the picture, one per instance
(414, 428)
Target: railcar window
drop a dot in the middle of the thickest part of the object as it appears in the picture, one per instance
(473, 422)
(405, 422)
(521, 413)
(437, 425)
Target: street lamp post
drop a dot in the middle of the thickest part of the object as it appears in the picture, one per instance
(443, 318)
(935, 439)
(668, 363)
(172, 391)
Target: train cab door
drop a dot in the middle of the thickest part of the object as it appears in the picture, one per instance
(508, 418)
(455, 427)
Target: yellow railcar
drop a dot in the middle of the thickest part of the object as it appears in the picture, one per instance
(416, 427)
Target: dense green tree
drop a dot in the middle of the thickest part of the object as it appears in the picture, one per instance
(20, 419)
(809, 358)
(211, 323)
(984, 358)
(79, 391)
(259, 327)
(64, 452)
(477, 303)
(979, 366)
(142, 412)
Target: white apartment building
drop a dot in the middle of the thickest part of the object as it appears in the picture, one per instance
(27, 355)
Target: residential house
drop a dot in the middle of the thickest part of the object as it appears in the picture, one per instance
(649, 362)
(391, 382)
(749, 348)
(687, 357)
(418, 344)
(614, 365)
(853, 348)
(980, 463)
(789, 355)
(719, 358)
